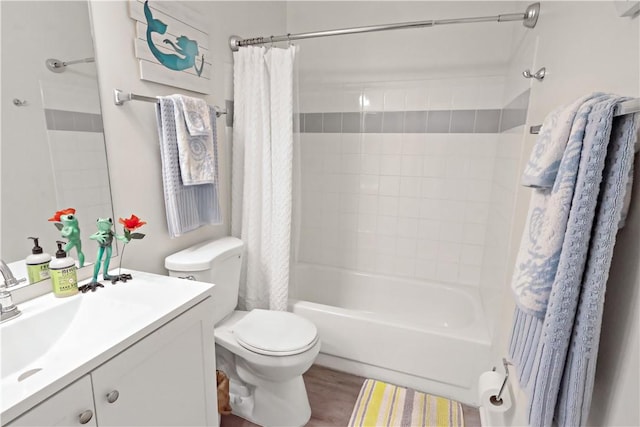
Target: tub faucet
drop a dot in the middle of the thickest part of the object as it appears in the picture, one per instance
(7, 309)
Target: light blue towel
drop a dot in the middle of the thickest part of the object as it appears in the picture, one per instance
(188, 206)
(552, 169)
(556, 329)
(574, 399)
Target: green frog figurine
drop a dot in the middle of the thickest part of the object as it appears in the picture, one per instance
(104, 236)
(67, 223)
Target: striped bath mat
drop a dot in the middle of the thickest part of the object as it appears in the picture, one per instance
(381, 404)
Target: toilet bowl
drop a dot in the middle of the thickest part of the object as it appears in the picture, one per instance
(266, 388)
(264, 353)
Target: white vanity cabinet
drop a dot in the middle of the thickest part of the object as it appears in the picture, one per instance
(68, 407)
(165, 379)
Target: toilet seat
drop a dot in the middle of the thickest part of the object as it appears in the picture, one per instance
(275, 333)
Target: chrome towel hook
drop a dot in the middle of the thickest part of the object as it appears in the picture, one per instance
(538, 75)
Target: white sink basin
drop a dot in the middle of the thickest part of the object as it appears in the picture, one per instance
(57, 340)
(26, 338)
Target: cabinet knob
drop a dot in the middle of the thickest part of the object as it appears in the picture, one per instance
(85, 416)
(113, 396)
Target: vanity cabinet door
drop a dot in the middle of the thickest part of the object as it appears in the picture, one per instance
(166, 379)
(71, 406)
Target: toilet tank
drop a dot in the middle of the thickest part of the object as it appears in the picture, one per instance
(215, 261)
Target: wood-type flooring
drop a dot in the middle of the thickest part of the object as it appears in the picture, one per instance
(332, 396)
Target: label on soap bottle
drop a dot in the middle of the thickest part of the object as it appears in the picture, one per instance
(64, 281)
(38, 272)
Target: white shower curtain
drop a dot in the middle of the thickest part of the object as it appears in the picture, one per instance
(262, 172)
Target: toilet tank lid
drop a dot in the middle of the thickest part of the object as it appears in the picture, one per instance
(200, 256)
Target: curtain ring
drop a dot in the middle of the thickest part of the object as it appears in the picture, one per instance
(271, 38)
(289, 39)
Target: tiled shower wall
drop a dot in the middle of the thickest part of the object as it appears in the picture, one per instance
(397, 177)
(505, 184)
(510, 155)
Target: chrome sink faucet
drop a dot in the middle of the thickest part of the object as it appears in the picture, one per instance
(7, 309)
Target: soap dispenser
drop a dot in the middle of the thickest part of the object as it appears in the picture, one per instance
(63, 274)
(37, 263)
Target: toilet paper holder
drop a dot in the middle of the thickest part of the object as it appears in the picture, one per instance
(497, 399)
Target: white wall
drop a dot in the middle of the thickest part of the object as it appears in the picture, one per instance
(446, 51)
(130, 130)
(586, 47)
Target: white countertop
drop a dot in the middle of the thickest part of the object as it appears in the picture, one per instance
(104, 323)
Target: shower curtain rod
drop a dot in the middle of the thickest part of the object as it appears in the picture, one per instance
(529, 19)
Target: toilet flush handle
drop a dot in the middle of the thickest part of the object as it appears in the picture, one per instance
(189, 277)
(85, 416)
(113, 396)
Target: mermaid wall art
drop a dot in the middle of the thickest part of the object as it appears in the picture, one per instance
(186, 50)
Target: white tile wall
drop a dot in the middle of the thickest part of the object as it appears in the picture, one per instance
(434, 94)
(500, 209)
(415, 205)
(394, 207)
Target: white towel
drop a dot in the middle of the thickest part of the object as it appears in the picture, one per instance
(188, 207)
(542, 168)
(196, 115)
(196, 153)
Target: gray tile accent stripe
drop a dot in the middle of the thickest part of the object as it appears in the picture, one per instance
(462, 121)
(515, 113)
(393, 122)
(331, 122)
(352, 122)
(373, 122)
(424, 121)
(312, 122)
(415, 121)
(487, 121)
(73, 121)
(438, 121)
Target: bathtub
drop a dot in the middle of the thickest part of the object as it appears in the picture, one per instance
(427, 336)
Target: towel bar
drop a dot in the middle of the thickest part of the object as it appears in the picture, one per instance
(120, 97)
(627, 107)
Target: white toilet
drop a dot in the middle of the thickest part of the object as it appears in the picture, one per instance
(263, 352)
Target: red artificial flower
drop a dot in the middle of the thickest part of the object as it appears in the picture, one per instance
(57, 215)
(131, 223)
